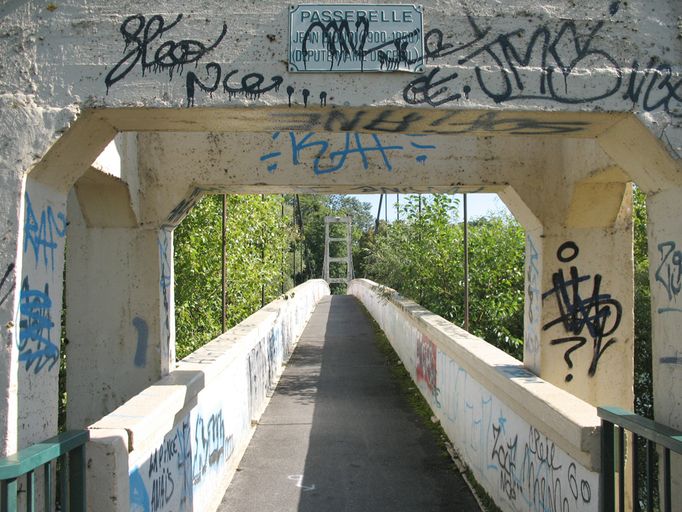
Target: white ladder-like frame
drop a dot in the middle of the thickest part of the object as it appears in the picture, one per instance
(348, 259)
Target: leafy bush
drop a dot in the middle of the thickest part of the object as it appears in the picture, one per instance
(422, 256)
(257, 247)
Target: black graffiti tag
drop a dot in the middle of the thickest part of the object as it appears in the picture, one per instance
(661, 89)
(669, 272)
(140, 34)
(598, 313)
(426, 89)
(6, 284)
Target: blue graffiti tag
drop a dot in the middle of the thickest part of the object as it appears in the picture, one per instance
(42, 232)
(139, 497)
(326, 160)
(35, 326)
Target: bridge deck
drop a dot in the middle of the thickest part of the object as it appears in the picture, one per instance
(337, 434)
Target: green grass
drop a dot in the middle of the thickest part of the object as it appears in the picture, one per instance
(408, 389)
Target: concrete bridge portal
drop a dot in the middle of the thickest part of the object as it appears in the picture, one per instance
(118, 118)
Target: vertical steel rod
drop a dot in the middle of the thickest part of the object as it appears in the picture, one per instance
(77, 463)
(223, 264)
(376, 222)
(621, 469)
(63, 474)
(262, 262)
(283, 250)
(30, 491)
(386, 210)
(48, 485)
(607, 467)
(635, 472)
(466, 265)
(650, 474)
(667, 501)
(293, 274)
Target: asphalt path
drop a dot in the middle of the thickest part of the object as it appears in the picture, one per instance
(338, 435)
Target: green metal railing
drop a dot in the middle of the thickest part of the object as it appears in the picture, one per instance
(613, 452)
(68, 451)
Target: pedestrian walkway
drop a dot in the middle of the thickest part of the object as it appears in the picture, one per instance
(338, 436)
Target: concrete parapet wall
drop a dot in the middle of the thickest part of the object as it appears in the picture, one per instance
(175, 446)
(531, 445)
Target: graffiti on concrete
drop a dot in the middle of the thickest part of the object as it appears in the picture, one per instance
(212, 445)
(36, 346)
(144, 47)
(195, 450)
(513, 459)
(44, 229)
(595, 316)
(40, 293)
(357, 149)
(392, 120)
(426, 367)
(669, 274)
(7, 284)
(543, 61)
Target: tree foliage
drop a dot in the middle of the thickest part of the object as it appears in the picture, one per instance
(257, 246)
(644, 403)
(422, 257)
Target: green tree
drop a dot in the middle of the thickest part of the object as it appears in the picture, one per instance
(258, 238)
(644, 402)
(422, 257)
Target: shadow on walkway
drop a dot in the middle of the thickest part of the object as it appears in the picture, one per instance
(338, 436)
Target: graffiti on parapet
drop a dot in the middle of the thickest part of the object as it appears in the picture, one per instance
(7, 284)
(212, 445)
(36, 348)
(190, 455)
(43, 231)
(357, 148)
(143, 47)
(514, 460)
(426, 367)
(669, 274)
(531, 471)
(592, 317)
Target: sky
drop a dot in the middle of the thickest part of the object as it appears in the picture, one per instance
(478, 205)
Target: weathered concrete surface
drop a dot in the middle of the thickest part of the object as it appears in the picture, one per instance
(339, 436)
(530, 444)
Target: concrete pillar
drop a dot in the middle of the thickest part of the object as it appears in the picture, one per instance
(581, 325)
(579, 329)
(665, 271)
(39, 311)
(120, 316)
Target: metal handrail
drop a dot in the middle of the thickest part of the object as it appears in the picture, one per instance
(654, 433)
(69, 449)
